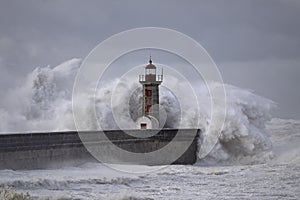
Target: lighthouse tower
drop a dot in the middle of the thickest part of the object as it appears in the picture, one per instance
(150, 81)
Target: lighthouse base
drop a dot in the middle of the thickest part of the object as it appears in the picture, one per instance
(147, 122)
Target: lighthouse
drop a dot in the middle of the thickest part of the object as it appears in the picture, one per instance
(150, 108)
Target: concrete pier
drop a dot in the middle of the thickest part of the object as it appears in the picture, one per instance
(58, 149)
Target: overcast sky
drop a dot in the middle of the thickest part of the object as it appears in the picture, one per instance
(255, 43)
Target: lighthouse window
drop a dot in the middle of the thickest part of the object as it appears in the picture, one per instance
(148, 108)
(150, 71)
(148, 92)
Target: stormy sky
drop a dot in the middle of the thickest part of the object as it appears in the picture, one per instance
(255, 43)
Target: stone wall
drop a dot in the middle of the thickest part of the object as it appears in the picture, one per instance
(57, 149)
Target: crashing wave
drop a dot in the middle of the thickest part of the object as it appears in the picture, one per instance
(44, 103)
(244, 138)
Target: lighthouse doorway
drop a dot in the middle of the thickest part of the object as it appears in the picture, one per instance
(143, 125)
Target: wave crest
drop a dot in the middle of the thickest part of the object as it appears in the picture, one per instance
(44, 103)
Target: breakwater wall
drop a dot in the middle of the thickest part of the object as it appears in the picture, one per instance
(58, 149)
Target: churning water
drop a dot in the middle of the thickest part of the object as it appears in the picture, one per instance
(255, 157)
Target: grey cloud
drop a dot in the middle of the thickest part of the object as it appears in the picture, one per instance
(38, 33)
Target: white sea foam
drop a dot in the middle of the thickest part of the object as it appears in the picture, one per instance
(243, 138)
(96, 181)
(44, 103)
(285, 136)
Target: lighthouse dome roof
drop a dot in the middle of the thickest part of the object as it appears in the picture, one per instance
(150, 65)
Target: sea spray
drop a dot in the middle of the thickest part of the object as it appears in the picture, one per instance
(244, 134)
(44, 103)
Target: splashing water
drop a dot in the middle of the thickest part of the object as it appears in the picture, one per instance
(44, 103)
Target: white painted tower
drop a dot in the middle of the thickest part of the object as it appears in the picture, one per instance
(150, 81)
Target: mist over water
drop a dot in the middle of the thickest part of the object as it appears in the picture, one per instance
(44, 103)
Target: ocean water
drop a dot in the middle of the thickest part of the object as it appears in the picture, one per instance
(276, 178)
(255, 156)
